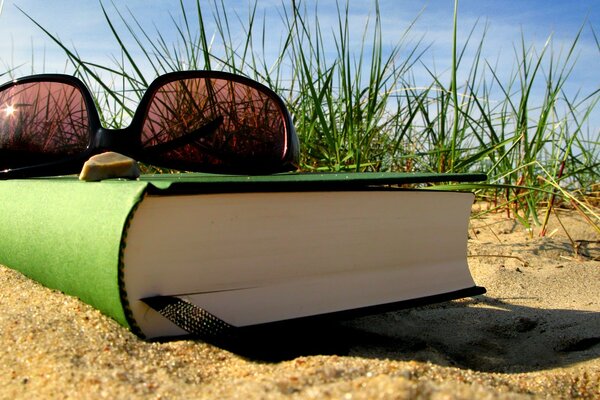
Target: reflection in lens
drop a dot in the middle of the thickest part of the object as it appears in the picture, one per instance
(9, 110)
(252, 131)
(41, 122)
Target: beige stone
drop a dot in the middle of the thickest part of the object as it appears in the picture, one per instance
(109, 165)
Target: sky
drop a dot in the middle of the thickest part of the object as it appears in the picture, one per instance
(80, 24)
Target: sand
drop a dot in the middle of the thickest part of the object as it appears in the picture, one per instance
(535, 334)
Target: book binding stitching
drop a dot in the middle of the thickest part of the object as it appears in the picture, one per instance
(133, 326)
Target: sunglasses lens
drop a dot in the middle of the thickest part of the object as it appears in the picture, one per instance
(204, 123)
(41, 122)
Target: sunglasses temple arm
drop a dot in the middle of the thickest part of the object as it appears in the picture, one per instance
(71, 165)
(188, 138)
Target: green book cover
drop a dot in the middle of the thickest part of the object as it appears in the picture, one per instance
(66, 234)
(70, 235)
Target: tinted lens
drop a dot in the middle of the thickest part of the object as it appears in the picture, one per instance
(215, 123)
(41, 122)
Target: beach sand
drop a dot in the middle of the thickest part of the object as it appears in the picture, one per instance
(534, 334)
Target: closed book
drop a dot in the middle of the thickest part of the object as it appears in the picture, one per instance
(244, 250)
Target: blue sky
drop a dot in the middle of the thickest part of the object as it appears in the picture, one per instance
(81, 25)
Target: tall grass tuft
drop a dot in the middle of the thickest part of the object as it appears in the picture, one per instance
(358, 107)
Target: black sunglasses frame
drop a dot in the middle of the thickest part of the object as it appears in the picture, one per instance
(127, 140)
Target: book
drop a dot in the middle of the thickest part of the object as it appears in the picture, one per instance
(242, 250)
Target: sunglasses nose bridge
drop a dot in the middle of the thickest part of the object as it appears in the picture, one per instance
(122, 141)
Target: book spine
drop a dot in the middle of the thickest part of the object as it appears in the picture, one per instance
(67, 235)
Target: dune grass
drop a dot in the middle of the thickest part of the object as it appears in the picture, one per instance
(359, 108)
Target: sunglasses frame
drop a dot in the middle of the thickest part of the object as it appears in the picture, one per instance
(127, 140)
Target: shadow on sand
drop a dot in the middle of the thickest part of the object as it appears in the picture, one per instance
(494, 336)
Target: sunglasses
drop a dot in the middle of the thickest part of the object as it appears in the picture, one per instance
(202, 121)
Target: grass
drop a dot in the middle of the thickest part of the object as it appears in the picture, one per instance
(359, 108)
